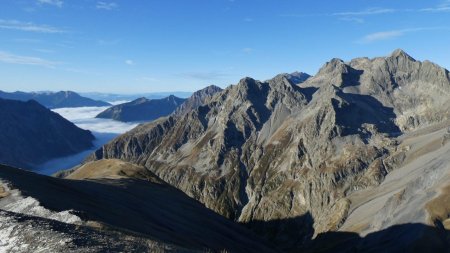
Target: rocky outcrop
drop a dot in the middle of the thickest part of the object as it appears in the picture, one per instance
(54, 100)
(283, 158)
(32, 134)
(142, 109)
(24, 233)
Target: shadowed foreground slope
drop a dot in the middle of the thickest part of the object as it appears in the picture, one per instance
(136, 208)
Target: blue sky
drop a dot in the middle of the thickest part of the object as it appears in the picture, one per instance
(132, 46)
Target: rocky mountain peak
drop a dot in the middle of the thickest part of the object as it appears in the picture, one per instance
(197, 99)
(335, 72)
(247, 86)
(334, 67)
(175, 100)
(207, 91)
(399, 53)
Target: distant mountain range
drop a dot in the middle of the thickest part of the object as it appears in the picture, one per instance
(111, 97)
(31, 134)
(142, 109)
(54, 100)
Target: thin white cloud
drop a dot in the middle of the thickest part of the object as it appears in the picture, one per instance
(106, 6)
(27, 27)
(353, 19)
(386, 35)
(382, 36)
(248, 19)
(26, 60)
(103, 42)
(204, 76)
(43, 50)
(367, 12)
(57, 3)
(352, 15)
(129, 62)
(247, 50)
(443, 7)
(26, 40)
(146, 79)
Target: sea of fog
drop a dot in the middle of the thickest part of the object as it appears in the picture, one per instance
(104, 130)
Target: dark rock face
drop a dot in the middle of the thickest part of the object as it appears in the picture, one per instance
(32, 134)
(274, 150)
(142, 109)
(54, 100)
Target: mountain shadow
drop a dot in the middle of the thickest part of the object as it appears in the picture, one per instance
(286, 234)
(364, 110)
(296, 235)
(411, 237)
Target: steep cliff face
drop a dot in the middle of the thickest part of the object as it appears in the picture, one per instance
(283, 158)
(32, 134)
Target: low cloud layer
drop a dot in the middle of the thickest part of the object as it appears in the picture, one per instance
(104, 131)
(84, 117)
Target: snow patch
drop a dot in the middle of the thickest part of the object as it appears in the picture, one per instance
(17, 203)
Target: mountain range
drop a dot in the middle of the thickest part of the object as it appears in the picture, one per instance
(144, 109)
(288, 160)
(54, 100)
(353, 159)
(131, 97)
(32, 134)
